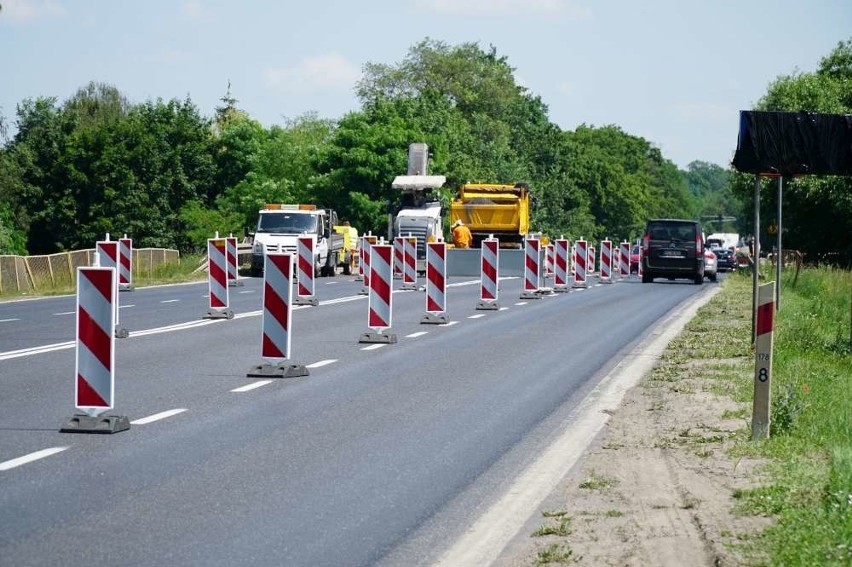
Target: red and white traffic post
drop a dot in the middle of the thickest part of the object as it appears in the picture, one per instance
(606, 261)
(398, 256)
(233, 261)
(107, 257)
(436, 284)
(306, 287)
(277, 320)
(549, 260)
(760, 414)
(367, 242)
(590, 263)
(532, 267)
(125, 264)
(380, 299)
(580, 260)
(625, 259)
(94, 383)
(639, 270)
(562, 247)
(489, 269)
(409, 263)
(217, 280)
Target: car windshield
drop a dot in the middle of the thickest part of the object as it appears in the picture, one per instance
(288, 223)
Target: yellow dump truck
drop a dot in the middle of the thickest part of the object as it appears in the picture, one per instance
(349, 253)
(493, 209)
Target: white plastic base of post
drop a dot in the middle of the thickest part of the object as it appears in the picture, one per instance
(236, 283)
(125, 287)
(580, 285)
(364, 291)
(435, 319)
(121, 333)
(377, 338)
(280, 370)
(530, 295)
(408, 287)
(216, 314)
(561, 289)
(103, 424)
(487, 306)
(313, 301)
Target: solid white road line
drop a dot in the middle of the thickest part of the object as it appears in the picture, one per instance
(322, 363)
(521, 303)
(252, 386)
(249, 291)
(157, 416)
(126, 306)
(12, 463)
(65, 313)
(503, 309)
(477, 316)
(170, 301)
(8, 320)
(374, 347)
(483, 542)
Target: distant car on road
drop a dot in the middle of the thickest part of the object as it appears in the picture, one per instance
(726, 260)
(710, 265)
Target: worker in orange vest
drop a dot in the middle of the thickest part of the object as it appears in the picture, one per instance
(461, 235)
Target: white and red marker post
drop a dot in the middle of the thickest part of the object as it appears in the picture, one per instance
(532, 268)
(639, 270)
(232, 256)
(590, 264)
(606, 261)
(217, 280)
(760, 413)
(549, 260)
(561, 262)
(277, 320)
(94, 383)
(409, 263)
(125, 264)
(306, 286)
(398, 256)
(580, 260)
(436, 284)
(380, 299)
(367, 242)
(489, 269)
(624, 253)
(108, 257)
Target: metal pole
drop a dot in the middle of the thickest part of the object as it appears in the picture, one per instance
(780, 254)
(755, 268)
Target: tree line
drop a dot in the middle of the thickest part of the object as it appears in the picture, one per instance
(168, 176)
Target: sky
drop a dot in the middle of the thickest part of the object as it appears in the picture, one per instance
(675, 72)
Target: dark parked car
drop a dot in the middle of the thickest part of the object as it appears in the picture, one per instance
(673, 248)
(726, 260)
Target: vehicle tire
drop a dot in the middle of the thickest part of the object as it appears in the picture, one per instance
(713, 277)
(699, 279)
(647, 278)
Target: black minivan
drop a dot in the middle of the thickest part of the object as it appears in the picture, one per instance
(673, 248)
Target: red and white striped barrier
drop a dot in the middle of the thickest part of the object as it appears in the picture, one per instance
(765, 329)
(639, 271)
(624, 253)
(409, 263)
(107, 257)
(398, 256)
(306, 286)
(580, 260)
(125, 264)
(590, 264)
(549, 260)
(489, 270)
(532, 267)
(561, 265)
(277, 320)
(217, 280)
(380, 299)
(94, 384)
(606, 261)
(367, 243)
(232, 256)
(436, 284)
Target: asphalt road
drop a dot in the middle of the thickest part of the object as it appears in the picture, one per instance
(383, 455)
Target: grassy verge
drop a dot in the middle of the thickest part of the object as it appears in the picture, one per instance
(185, 271)
(809, 488)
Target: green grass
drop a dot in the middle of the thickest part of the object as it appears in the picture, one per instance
(555, 553)
(598, 482)
(807, 489)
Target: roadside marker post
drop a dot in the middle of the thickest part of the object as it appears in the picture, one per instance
(639, 271)
(590, 264)
(760, 419)
(580, 259)
(532, 266)
(625, 259)
(616, 261)
(107, 257)
(277, 320)
(489, 269)
(217, 280)
(436, 284)
(94, 385)
(560, 274)
(606, 261)
(380, 299)
(125, 264)
(398, 256)
(305, 287)
(409, 263)
(367, 243)
(549, 260)
(233, 261)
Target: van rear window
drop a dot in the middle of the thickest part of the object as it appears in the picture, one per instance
(672, 231)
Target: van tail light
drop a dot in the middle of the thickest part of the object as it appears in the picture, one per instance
(646, 244)
(699, 245)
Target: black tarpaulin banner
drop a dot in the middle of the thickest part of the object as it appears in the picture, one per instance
(794, 143)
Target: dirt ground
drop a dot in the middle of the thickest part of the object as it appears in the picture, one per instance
(656, 489)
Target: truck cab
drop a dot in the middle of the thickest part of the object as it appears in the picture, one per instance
(280, 225)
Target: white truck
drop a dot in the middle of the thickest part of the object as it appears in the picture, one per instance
(419, 213)
(278, 227)
(729, 240)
